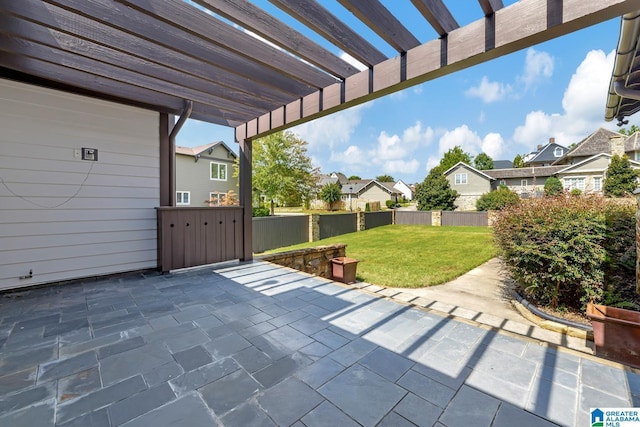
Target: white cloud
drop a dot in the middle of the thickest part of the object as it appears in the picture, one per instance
(332, 130)
(401, 166)
(467, 139)
(493, 145)
(489, 91)
(353, 155)
(538, 65)
(392, 151)
(583, 105)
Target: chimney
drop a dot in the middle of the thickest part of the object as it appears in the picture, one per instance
(552, 140)
(617, 145)
(539, 147)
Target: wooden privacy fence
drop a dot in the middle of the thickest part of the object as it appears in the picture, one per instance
(480, 219)
(413, 217)
(278, 231)
(377, 219)
(335, 225)
(197, 236)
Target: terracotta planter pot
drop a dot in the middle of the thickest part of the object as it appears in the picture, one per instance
(344, 269)
(616, 333)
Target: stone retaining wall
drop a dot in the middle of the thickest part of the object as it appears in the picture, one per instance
(316, 261)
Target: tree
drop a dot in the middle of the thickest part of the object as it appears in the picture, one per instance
(435, 193)
(452, 157)
(497, 200)
(483, 162)
(281, 168)
(621, 179)
(385, 178)
(633, 129)
(553, 187)
(354, 178)
(330, 194)
(518, 161)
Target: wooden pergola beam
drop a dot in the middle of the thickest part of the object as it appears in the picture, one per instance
(437, 14)
(489, 7)
(470, 45)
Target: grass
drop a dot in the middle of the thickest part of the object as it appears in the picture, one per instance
(413, 256)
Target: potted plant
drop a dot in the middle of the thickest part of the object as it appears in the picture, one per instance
(616, 333)
(344, 269)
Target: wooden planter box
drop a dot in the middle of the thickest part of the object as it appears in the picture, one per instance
(616, 333)
(344, 269)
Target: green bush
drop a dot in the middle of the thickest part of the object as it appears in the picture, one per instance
(575, 192)
(556, 248)
(367, 207)
(497, 200)
(261, 211)
(390, 204)
(553, 187)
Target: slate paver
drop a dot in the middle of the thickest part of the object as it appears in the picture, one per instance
(230, 391)
(193, 358)
(190, 407)
(140, 403)
(289, 401)
(386, 363)
(247, 415)
(418, 411)
(325, 415)
(79, 384)
(470, 407)
(427, 388)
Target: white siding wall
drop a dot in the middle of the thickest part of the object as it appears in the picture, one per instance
(62, 217)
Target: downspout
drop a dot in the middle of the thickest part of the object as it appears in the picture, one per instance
(172, 148)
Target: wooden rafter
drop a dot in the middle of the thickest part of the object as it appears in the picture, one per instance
(489, 7)
(316, 17)
(379, 19)
(437, 14)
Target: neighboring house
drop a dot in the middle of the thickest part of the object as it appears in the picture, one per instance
(588, 176)
(356, 194)
(205, 173)
(502, 164)
(526, 182)
(403, 188)
(545, 155)
(470, 183)
(598, 142)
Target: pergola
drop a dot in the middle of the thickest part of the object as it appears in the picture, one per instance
(207, 63)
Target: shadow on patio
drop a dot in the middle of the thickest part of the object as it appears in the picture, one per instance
(256, 344)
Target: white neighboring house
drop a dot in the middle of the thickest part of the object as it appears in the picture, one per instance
(404, 189)
(204, 173)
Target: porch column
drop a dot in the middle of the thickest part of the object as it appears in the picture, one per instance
(246, 200)
(166, 154)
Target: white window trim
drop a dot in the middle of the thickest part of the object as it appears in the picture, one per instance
(599, 178)
(215, 195)
(558, 152)
(180, 202)
(524, 183)
(503, 182)
(226, 171)
(461, 179)
(571, 187)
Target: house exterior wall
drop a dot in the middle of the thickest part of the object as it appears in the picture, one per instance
(587, 174)
(195, 177)
(534, 185)
(376, 194)
(62, 217)
(470, 192)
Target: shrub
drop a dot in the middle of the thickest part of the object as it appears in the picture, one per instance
(435, 193)
(390, 204)
(554, 248)
(497, 200)
(367, 207)
(261, 211)
(553, 187)
(575, 192)
(621, 179)
(330, 194)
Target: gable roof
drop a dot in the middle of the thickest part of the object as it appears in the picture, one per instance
(546, 153)
(356, 187)
(502, 164)
(530, 172)
(592, 158)
(632, 143)
(471, 168)
(596, 143)
(197, 151)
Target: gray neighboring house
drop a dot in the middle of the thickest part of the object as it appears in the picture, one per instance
(546, 154)
(602, 141)
(204, 173)
(527, 182)
(470, 183)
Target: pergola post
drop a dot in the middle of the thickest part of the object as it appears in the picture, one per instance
(166, 154)
(246, 200)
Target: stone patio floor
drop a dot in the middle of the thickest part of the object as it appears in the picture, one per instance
(259, 345)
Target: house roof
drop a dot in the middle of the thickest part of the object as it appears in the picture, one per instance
(529, 172)
(238, 65)
(471, 168)
(632, 143)
(590, 159)
(502, 164)
(197, 151)
(357, 187)
(596, 143)
(546, 153)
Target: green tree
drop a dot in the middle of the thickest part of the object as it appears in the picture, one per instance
(497, 200)
(354, 178)
(385, 178)
(330, 194)
(553, 187)
(633, 129)
(621, 179)
(483, 162)
(452, 157)
(435, 193)
(281, 168)
(518, 161)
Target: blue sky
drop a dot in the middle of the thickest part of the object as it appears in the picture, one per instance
(503, 107)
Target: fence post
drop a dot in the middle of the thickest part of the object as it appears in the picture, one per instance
(436, 218)
(393, 216)
(314, 227)
(360, 225)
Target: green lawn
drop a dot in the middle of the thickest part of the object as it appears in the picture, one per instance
(413, 256)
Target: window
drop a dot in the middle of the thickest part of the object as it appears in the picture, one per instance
(558, 152)
(461, 178)
(503, 182)
(214, 198)
(571, 183)
(597, 183)
(524, 183)
(636, 156)
(183, 198)
(218, 171)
